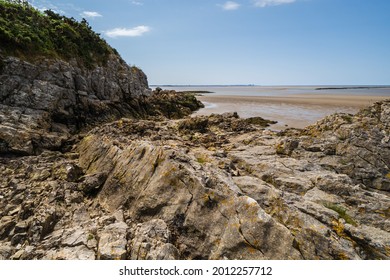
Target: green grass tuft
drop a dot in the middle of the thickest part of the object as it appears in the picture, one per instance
(342, 213)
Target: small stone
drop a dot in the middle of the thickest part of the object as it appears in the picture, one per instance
(73, 173)
(21, 227)
(92, 183)
(18, 255)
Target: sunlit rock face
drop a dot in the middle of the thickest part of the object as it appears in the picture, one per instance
(216, 187)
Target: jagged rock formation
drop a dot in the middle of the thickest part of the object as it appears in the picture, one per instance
(214, 187)
(44, 103)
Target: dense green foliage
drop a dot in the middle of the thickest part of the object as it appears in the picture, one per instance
(28, 33)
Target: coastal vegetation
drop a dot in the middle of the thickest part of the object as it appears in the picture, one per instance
(28, 33)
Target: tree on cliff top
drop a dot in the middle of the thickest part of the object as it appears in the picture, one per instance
(28, 33)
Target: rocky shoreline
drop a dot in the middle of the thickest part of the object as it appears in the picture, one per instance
(43, 104)
(213, 187)
(94, 165)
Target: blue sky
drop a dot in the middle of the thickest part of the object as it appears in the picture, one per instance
(263, 42)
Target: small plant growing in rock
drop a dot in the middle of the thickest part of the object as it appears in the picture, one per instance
(342, 213)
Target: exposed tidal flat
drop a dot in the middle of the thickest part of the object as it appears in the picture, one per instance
(291, 106)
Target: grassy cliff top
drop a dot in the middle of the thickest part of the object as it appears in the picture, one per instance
(28, 33)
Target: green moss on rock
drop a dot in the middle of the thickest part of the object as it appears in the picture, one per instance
(342, 212)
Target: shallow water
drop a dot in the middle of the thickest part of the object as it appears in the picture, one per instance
(287, 90)
(287, 114)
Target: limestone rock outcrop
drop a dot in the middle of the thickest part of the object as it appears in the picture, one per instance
(216, 187)
(43, 103)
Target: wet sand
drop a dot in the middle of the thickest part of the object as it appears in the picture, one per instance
(298, 110)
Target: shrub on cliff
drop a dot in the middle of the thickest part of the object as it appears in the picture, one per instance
(26, 32)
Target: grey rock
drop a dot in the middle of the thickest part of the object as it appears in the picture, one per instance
(75, 237)
(6, 225)
(70, 253)
(113, 242)
(378, 241)
(5, 252)
(152, 242)
(92, 183)
(38, 98)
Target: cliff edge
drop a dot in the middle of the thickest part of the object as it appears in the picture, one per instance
(58, 78)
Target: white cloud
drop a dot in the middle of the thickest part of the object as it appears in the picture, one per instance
(60, 8)
(128, 32)
(90, 14)
(46, 5)
(265, 3)
(230, 6)
(137, 3)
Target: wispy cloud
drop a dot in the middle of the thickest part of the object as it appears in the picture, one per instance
(265, 3)
(89, 14)
(137, 3)
(61, 8)
(128, 32)
(230, 6)
(44, 5)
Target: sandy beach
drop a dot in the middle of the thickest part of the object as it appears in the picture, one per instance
(298, 110)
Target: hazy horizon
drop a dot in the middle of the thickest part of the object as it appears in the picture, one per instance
(265, 85)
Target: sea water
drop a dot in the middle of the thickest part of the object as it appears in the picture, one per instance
(286, 90)
(286, 113)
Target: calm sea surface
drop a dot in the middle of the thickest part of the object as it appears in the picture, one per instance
(287, 114)
(285, 90)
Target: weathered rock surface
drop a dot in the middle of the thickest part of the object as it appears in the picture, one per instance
(43, 103)
(151, 241)
(112, 242)
(215, 187)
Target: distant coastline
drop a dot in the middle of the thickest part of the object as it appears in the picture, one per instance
(352, 87)
(317, 87)
(184, 86)
(197, 91)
